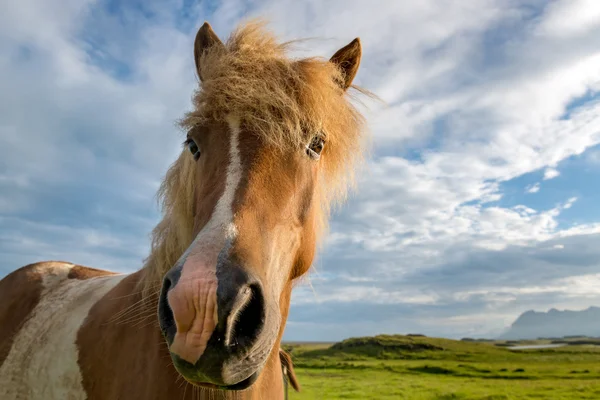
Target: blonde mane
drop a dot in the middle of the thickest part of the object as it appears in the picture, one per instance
(285, 102)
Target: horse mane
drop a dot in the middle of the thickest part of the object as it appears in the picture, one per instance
(288, 368)
(285, 102)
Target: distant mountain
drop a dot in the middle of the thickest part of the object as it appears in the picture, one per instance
(555, 324)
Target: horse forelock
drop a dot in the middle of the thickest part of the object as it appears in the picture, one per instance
(283, 100)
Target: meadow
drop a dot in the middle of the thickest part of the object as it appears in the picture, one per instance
(423, 368)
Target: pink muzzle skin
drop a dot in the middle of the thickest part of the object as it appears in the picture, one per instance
(193, 302)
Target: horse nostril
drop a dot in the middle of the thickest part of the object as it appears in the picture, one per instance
(166, 317)
(247, 318)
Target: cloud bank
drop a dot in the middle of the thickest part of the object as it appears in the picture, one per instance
(477, 203)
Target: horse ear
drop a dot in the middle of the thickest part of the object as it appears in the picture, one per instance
(348, 60)
(205, 39)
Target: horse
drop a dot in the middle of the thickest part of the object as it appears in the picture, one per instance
(272, 144)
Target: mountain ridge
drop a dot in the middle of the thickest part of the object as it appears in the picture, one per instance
(554, 323)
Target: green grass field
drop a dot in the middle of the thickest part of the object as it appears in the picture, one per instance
(406, 367)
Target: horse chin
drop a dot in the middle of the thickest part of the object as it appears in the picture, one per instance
(242, 385)
(211, 372)
(245, 384)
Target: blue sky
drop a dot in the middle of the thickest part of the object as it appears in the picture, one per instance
(479, 201)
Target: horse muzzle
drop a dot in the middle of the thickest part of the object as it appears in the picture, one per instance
(219, 326)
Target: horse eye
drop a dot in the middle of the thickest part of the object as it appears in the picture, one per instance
(314, 149)
(193, 147)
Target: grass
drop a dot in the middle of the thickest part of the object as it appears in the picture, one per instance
(422, 368)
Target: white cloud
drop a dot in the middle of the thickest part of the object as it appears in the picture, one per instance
(93, 246)
(550, 173)
(592, 157)
(371, 294)
(570, 17)
(533, 188)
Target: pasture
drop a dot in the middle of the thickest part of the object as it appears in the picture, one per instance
(422, 368)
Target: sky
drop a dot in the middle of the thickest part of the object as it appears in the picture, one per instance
(479, 200)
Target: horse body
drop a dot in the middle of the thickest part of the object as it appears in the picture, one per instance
(272, 142)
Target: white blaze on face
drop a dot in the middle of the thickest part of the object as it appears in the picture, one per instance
(193, 299)
(220, 226)
(42, 362)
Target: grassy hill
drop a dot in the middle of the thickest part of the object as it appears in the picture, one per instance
(423, 368)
